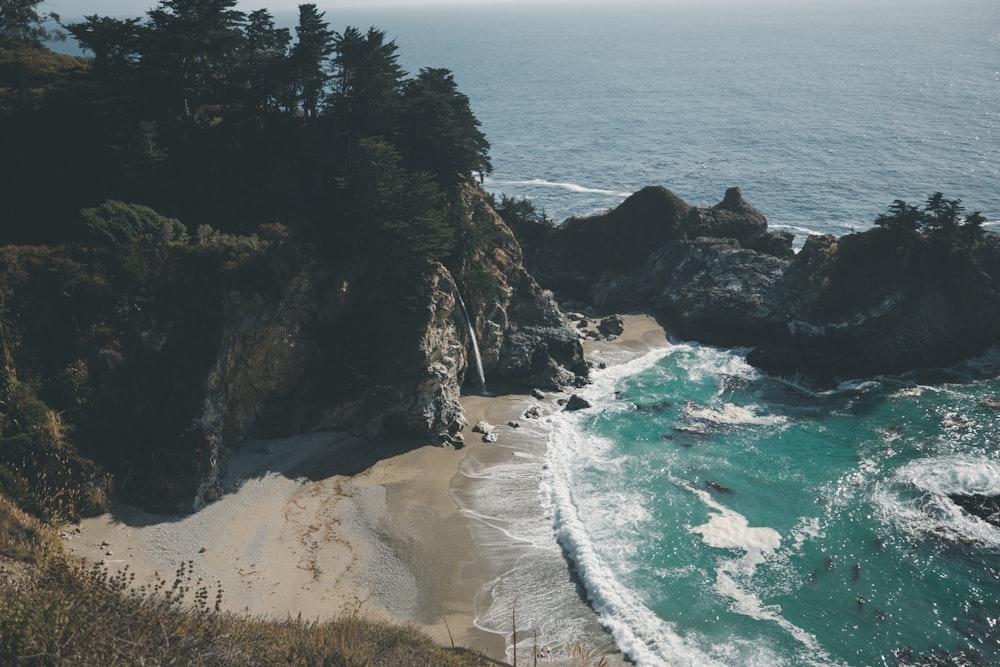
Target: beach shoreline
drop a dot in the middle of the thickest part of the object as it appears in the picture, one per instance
(394, 542)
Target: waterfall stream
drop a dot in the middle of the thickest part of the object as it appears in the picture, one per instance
(475, 344)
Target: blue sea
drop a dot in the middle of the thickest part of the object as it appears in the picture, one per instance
(822, 112)
(703, 513)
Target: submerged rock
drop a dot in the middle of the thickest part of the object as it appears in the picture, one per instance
(986, 508)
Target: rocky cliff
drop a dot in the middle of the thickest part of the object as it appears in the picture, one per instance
(883, 301)
(158, 357)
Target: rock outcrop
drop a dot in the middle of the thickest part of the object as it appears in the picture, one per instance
(523, 336)
(883, 301)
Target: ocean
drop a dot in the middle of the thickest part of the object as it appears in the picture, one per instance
(823, 113)
(703, 513)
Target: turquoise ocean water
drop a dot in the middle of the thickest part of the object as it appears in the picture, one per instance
(703, 513)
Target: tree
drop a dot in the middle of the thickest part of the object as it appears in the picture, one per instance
(190, 49)
(309, 58)
(367, 78)
(20, 23)
(941, 213)
(397, 216)
(440, 133)
(975, 219)
(266, 61)
(115, 44)
(116, 224)
(901, 216)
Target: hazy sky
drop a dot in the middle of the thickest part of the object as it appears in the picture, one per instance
(75, 8)
(139, 7)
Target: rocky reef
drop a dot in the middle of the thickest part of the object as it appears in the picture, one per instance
(883, 301)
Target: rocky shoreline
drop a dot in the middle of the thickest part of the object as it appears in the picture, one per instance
(887, 300)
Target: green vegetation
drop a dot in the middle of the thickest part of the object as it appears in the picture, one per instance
(20, 23)
(213, 116)
(937, 214)
(201, 154)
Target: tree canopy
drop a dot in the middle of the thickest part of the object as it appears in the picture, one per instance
(20, 23)
(217, 116)
(937, 213)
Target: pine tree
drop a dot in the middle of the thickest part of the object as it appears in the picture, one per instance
(367, 82)
(309, 58)
(440, 133)
(191, 49)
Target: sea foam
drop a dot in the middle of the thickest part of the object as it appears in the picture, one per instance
(916, 497)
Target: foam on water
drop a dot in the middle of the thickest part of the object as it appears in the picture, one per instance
(800, 508)
(492, 183)
(916, 498)
(730, 414)
(638, 631)
(727, 529)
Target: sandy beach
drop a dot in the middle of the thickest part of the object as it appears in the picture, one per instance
(294, 535)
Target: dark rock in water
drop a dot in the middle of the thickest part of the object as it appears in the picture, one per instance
(513, 424)
(986, 508)
(576, 403)
(658, 407)
(715, 290)
(538, 393)
(532, 413)
(733, 218)
(991, 403)
(718, 488)
(612, 325)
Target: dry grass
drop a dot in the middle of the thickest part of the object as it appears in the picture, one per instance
(23, 537)
(69, 614)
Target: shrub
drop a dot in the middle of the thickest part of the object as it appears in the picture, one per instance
(118, 224)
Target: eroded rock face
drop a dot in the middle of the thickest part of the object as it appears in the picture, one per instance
(715, 291)
(624, 259)
(209, 345)
(429, 403)
(885, 301)
(523, 336)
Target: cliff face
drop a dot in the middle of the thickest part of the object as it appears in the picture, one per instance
(523, 336)
(884, 301)
(161, 360)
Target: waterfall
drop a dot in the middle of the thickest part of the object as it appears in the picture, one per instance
(475, 344)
